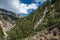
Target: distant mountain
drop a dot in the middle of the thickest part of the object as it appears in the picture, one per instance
(6, 12)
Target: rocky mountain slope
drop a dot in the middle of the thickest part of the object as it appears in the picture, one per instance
(50, 33)
(33, 25)
(7, 21)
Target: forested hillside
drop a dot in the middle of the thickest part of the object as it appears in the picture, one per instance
(45, 16)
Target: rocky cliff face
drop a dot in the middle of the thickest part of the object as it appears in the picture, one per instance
(7, 20)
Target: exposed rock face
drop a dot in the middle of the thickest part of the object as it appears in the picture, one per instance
(40, 21)
(6, 26)
(7, 21)
(51, 33)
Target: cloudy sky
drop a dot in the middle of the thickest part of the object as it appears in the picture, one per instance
(21, 6)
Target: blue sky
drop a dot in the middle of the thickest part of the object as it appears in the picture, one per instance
(21, 6)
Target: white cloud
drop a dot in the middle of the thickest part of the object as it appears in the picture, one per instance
(16, 6)
(23, 8)
(33, 6)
